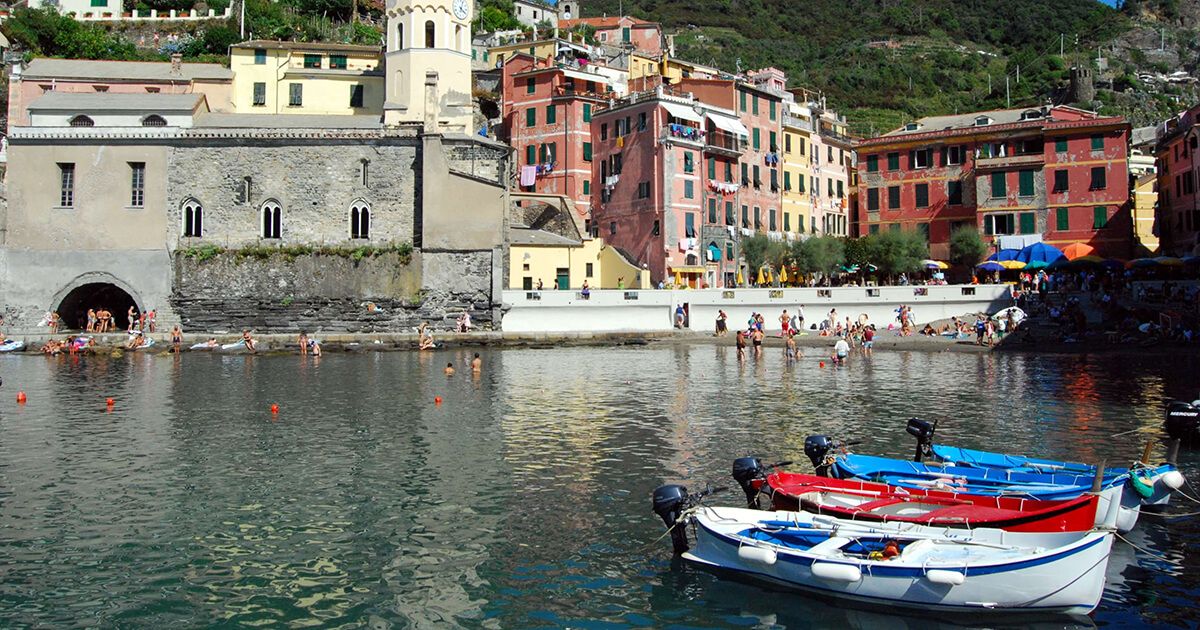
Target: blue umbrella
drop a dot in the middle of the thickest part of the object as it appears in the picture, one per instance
(1040, 252)
(989, 266)
(1005, 254)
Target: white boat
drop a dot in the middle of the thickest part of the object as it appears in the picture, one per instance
(12, 345)
(237, 345)
(932, 569)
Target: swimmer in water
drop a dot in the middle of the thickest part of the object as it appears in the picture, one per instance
(477, 364)
(449, 369)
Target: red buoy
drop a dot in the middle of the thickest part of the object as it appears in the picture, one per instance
(110, 402)
(274, 408)
(822, 364)
(437, 400)
(21, 397)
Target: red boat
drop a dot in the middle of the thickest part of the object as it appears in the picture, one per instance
(869, 501)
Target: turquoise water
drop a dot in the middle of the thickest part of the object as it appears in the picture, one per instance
(520, 501)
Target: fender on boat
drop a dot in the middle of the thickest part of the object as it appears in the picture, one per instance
(944, 576)
(760, 555)
(836, 572)
(1172, 479)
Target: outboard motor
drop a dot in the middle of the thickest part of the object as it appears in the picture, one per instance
(923, 431)
(669, 502)
(817, 447)
(745, 471)
(1183, 421)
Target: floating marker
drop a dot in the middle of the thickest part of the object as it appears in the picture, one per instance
(274, 408)
(110, 402)
(437, 400)
(822, 364)
(21, 397)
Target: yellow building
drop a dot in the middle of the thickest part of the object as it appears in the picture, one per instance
(562, 263)
(797, 170)
(642, 65)
(1145, 198)
(297, 78)
(674, 69)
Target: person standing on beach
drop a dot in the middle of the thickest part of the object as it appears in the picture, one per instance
(868, 339)
(799, 317)
(741, 345)
(785, 323)
(177, 338)
(757, 338)
(721, 323)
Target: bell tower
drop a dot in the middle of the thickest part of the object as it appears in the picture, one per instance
(428, 64)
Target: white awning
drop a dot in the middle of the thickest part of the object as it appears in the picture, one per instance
(585, 76)
(729, 123)
(682, 111)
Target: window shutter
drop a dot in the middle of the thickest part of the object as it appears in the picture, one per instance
(1028, 223)
(1062, 219)
(942, 158)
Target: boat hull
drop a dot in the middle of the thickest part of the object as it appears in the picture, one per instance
(1065, 580)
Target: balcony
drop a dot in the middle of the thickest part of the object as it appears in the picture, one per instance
(723, 143)
(1009, 162)
(682, 133)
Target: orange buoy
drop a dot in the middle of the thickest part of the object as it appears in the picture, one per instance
(437, 400)
(822, 364)
(110, 402)
(21, 397)
(274, 408)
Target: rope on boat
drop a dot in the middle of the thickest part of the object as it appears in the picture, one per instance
(1169, 516)
(1152, 554)
(1067, 585)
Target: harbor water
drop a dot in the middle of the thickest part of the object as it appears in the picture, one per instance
(521, 500)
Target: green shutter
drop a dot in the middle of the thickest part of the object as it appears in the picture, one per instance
(587, 186)
(774, 139)
(530, 85)
(800, 223)
(787, 180)
(772, 110)
(1060, 145)
(1099, 217)
(551, 115)
(893, 198)
(872, 163)
(872, 199)
(742, 96)
(688, 190)
(587, 112)
(922, 195)
(712, 168)
(1097, 143)
(587, 151)
(999, 188)
(531, 155)
(530, 117)
(755, 135)
(625, 34)
(893, 161)
(1028, 223)
(1062, 219)
(754, 105)
(1025, 183)
(874, 228)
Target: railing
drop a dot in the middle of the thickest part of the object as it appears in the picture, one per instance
(1008, 161)
(724, 140)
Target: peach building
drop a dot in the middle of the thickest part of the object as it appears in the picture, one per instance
(638, 34)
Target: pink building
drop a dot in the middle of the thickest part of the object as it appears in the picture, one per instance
(139, 77)
(547, 109)
(667, 189)
(643, 36)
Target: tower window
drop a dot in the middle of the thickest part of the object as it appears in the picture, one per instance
(193, 218)
(429, 42)
(360, 220)
(272, 215)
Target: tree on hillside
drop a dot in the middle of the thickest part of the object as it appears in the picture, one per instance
(966, 246)
(45, 32)
(897, 251)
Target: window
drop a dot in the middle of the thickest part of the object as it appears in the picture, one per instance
(787, 143)
(829, 154)
(802, 146)
(923, 158)
(1061, 181)
(272, 215)
(1060, 145)
(360, 220)
(154, 120)
(787, 180)
(1099, 178)
(531, 155)
(754, 105)
(1028, 223)
(193, 218)
(998, 224)
(1099, 217)
(922, 195)
(66, 185)
(742, 99)
(893, 197)
(841, 192)
(337, 62)
(874, 228)
(1097, 143)
(604, 131)
(954, 190)
(356, 95)
(625, 34)
(729, 171)
(923, 228)
(800, 223)
(1062, 219)
(295, 94)
(530, 117)
(400, 39)
(587, 112)
(82, 121)
(689, 222)
(260, 94)
(712, 168)
(872, 163)
(312, 61)
(244, 191)
(954, 155)
(137, 184)
(587, 270)
(872, 199)
(771, 220)
(641, 121)
(612, 227)
(363, 166)
(1025, 183)
(643, 191)
(745, 174)
(757, 218)
(587, 151)
(729, 218)
(774, 144)
(787, 222)
(893, 161)
(755, 135)
(757, 179)
(829, 187)
(549, 153)
(800, 182)
(772, 113)
(745, 216)
(689, 189)
(894, 227)
(999, 185)
(587, 186)
(551, 114)
(712, 211)
(688, 163)
(260, 56)
(656, 229)
(429, 40)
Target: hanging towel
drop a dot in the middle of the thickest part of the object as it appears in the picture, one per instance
(528, 175)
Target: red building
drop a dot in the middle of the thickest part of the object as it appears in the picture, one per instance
(1057, 174)
(547, 109)
(643, 36)
(1178, 217)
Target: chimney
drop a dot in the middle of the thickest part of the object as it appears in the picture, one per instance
(671, 45)
(176, 64)
(431, 102)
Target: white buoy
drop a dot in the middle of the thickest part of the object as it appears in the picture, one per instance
(1173, 479)
(836, 572)
(943, 576)
(760, 555)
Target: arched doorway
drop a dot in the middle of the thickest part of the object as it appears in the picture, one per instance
(96, 295)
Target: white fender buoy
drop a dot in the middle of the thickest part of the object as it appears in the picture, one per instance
(1173, 479)
(760, 555)
(944, 576)
(836, 572)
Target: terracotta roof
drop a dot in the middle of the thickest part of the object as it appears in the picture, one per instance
(87, 69)
(603, 22)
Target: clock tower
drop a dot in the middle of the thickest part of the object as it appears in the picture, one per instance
(428, 64)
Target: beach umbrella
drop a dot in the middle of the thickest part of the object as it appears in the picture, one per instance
(1191, 260)
(1086, 261)
(989, 266)
(1114, 264)
(762, 277)
(850, 268)
(739, 278)
(1039, 252)
(1005, 254)
(783, 277)
(1139, 263)
(678, 278)
(1011, 264)
(934, 264)
(1169, 261)
(871, 268)
(1034, 265)
(1078, 250)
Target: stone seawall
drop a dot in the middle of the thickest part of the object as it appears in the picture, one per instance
(316, 292)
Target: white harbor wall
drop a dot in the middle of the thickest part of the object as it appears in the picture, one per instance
(653, 310)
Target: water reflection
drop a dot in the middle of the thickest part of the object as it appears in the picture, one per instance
(520, 501)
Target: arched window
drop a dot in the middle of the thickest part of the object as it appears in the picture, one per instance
(360, 220)
(272, 219)
(193, 218)
(82, 121)
(154, 120)
(429, 34)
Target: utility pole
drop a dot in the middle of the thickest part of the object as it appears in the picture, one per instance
(1018, 73)
(1062, 37)
(1007, 96)
(989, 83)
(1162, 38)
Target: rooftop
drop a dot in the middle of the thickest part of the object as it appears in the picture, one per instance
(526, 236)
(95, 101)
(309, 46)
(288, 121)
(85, 69)
(604, 22)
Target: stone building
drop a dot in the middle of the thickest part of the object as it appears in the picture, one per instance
(223, 221)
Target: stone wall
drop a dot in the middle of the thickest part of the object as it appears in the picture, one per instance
(482, 158)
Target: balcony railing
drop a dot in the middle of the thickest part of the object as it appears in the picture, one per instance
(1010, 161)
(724, 141)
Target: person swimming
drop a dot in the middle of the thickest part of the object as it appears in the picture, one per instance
(449, 369)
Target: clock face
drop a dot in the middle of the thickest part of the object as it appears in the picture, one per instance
(460, 9)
